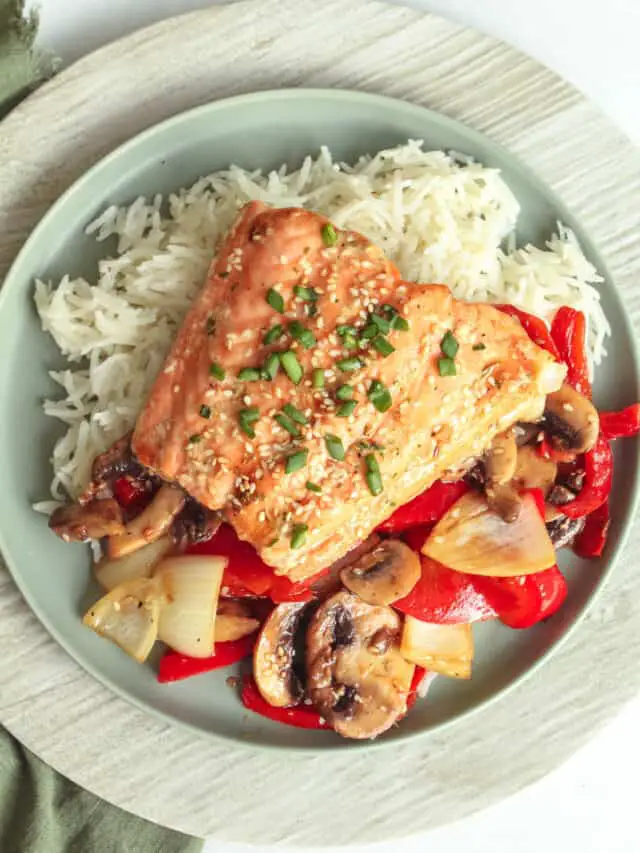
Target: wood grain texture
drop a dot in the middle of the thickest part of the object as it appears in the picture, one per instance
(165, 773)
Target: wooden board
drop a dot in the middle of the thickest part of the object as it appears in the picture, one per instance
(166, 773)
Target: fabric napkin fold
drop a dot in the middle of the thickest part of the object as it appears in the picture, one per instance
(40, 810)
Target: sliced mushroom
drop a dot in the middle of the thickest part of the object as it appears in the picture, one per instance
(195, 524)
(79, 522)
(533, 471)
(527, 433)
(356, 677)
(500, 459)
(274, 656)
(505, 501)
(571, 420)
(152, 522)
(384, 575)
(563, 530)
(234, 621)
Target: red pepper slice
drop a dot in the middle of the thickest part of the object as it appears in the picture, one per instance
(591, 541)
(300, 716)
(568, 331)
(418, 674)
(415, 537)
(246, 573)
(428, 507)
(523, 601)
(622, 424)
(127, 493)
(548, 451)
(445, 597)
(598, 469)
(533, 326)
(176, 667)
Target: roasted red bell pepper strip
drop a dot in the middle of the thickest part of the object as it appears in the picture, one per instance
(418, 674)
(127, 493)
(428, 507)
(415, 537)
(300, 716)
(548, 451)
(591, 541)
(598, 470)
(176, 667)
(623, 424)
(445, 597)
(246, 573)
(523, 601)
(533, 326)
(568, 331)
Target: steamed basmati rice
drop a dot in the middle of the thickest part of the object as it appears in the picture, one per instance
(440, 218)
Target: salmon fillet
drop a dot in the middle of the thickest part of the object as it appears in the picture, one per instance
(231, 438)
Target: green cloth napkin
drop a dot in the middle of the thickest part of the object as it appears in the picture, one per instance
(41, 811)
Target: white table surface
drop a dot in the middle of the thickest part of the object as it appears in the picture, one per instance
(590, 804)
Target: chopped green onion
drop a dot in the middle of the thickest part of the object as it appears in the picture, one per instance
(449, 345)
(299, 535)
(446, 367)
(211, 325)
(345, 329)
(307, 294)
(247, 417)
(373, 476)
(335, 448)
(379, 395)
(295, 414)
(346, 409)
(217, 371)
(312, 309)
(382, 345)
(313, 487)
(302, 335)
(275, 300)
(344, 392)
(383, 325)
(478, 346)
(205, 412)
(291, 366)
(270, 367)
(194, 439)
(274, 333)
(329, 235)
(288, 424)
(318, 378)
(369, 331)
(296, 461)
(249, 374)
(399, 324)
(350, 364)
(350, 342)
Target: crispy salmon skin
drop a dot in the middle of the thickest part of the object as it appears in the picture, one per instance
(310, 391)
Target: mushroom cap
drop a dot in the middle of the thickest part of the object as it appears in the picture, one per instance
(274, 654)
(356, 677)
(571, 420)
(385, 574)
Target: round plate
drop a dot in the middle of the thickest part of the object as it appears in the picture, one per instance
(264, 130)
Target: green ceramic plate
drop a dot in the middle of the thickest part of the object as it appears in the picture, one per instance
(262, 130)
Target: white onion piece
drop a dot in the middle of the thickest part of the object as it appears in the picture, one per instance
(191, 585)
(140, 564)
(129, 616)
(444, 649)
(472, 538)
(233, 621)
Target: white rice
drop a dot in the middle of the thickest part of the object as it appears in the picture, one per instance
(440, 218)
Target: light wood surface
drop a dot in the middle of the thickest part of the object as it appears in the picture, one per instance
(163, 772)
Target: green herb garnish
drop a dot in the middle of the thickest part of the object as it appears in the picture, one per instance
(299, 535)
(205, 412)
(291, 366)
(478, 347)
(346, 409)
(350, 364)
(294, 413)
(313, 487)
(335, 448)
(249, 374)
(382, 345)
(329, 235)
(379, 395)
(296, 461)
(399, 324)
(194, 439)
(344, 392)
(305, 337)
(217, 371)
(449, 345)
(274, 334)
(307, 294)
(381, 323)
(318, 378)
(373, 476)
(286, 423)
(446, 367)
(270, 367)
(246, 419)
(275, 300)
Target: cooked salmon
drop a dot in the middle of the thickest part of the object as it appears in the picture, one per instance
(311, 391)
